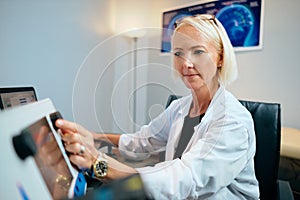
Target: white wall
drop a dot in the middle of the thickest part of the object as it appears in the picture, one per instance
(43, 43)
(58, 45)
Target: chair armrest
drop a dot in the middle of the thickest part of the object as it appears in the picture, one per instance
(100, 144)
(284, 190)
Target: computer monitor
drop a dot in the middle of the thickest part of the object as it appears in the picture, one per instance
(15, 96)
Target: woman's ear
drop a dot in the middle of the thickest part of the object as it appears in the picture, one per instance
(220, 62)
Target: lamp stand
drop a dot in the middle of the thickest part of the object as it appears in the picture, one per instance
(134, 34)
(134, 101)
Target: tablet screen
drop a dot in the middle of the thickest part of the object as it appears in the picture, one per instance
(51, 159)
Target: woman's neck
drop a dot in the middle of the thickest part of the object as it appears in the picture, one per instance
(202, 99)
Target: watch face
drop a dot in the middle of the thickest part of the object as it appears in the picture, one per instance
(101, 169)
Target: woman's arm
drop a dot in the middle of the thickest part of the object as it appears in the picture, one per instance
(111, 138)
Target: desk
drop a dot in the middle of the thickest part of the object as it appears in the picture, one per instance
(290, 143)
(152, 160)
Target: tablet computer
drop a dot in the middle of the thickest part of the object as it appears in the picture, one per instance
(61, 178)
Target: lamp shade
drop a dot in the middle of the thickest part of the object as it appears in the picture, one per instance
(135, 33)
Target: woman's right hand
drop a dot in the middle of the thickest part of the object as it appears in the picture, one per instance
(79, 142)
(75, 137)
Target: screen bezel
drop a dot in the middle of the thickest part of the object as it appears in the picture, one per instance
(15, 90)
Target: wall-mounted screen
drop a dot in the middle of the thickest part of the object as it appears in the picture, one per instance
(242, 19)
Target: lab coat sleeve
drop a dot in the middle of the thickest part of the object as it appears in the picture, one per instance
(150, 139)
(209, 166)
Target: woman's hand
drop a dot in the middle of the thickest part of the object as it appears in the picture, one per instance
(79, 142)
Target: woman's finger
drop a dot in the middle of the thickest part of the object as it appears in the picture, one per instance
(80, 161)
(68, 127)
(73, 148)
(71, 138)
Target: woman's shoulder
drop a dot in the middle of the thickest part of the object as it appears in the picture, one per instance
(236, 111)
(181, 101)
(179, 106)
(234, 103)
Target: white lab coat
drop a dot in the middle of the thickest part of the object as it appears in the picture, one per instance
(216, 164)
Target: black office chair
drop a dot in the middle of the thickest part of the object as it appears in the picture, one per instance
(267, 124)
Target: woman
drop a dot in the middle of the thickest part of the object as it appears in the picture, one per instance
(208, 136)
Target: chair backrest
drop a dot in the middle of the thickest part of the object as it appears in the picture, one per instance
(267, 125)
(171, 98)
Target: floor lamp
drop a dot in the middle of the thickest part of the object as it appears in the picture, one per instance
(135, 34)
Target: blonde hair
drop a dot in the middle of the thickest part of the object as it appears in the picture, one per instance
(213, 30)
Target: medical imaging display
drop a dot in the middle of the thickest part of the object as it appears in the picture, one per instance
(242, 20)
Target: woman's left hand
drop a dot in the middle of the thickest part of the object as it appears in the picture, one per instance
(79, 142)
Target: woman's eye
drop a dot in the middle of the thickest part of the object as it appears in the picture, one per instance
(199, 52)
(178, 54)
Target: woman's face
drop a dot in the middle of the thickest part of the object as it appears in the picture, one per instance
(195, 58)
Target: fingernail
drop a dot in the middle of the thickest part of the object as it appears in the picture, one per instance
(59, 122)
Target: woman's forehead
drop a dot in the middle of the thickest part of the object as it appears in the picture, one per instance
(188, 35)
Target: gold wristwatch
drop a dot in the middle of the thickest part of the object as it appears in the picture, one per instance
(100, 166)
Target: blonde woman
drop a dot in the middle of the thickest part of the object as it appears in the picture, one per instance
(208, 136)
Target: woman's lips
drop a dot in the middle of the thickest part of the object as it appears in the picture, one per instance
(191, 75)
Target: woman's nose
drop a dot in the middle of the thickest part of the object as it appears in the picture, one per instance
(187, 63)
